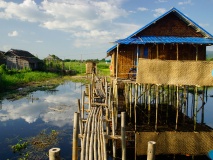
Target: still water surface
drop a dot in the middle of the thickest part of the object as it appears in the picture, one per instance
(46, 112)
(40, 113)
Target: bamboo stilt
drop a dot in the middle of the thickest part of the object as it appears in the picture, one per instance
(123, 135)
(156, 116)
(177, 108)
(75, 137)
(195, 109)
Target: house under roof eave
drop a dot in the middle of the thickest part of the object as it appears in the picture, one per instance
(207, 38)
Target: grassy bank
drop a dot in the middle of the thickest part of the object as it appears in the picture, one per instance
(12, 79)
(79, 68)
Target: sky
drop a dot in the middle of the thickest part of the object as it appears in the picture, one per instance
(85, 29)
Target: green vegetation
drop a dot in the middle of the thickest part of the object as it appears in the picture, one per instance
(36, 146)
(11, 79)
(19, 146)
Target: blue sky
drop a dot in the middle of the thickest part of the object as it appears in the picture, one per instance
(75, 29)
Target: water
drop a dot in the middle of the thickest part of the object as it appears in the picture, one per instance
(39, 112)
(46, 112)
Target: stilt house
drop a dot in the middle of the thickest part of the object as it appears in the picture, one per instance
(172, 36)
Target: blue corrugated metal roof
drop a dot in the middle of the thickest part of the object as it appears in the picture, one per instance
(166, 40)
(180, 15)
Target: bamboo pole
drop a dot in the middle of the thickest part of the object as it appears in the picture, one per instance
(177, 108)
(95, 136)
(75, 137)
(123, 135)
(113, 133)
(80, 122)
(103, 138)
(203, 103)
(91, 156)
(156, 116)
(149, 102)
(54, 154)
(184, 102)
(88, 133)
(99, 138)
(167, 104)
(130, 100)
(117, 61)
(151, 150)
(195, 109)
(135, 106)
(82, 103)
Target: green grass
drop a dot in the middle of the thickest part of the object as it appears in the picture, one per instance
(80, 68)
(8, 81)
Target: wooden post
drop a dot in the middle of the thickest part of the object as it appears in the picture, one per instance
(167, 104)
(177, 109)
(130, 100)
(156, 113)
(54, 154)
(203, 103)
(117, 61)
(123, 135)
(195, 109)
(113, 132)
(149, 102)
(184, 103)
(135, 105)
(75, 137)
(82, 103)
(151, 150)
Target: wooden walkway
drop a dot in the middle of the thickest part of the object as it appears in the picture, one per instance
(96, 121)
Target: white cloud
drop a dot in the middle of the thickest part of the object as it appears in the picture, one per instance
(159, 11)
(13, 34)
(185, 2)
(204, 25)
(79, 18)
(162, 1)
(39, 41)
(142, 9)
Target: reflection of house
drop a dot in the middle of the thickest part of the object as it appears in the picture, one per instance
(2, 58)
(20, 59)
(172, 36)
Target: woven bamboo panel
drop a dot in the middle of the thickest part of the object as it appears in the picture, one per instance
(90, 67)
(174, 72)
(175, 142)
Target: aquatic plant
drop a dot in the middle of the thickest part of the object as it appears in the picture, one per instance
(19, 146)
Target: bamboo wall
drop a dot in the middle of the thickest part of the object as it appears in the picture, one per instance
(183, 143)
(172, 72)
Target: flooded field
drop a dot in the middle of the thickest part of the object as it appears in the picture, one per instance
(41, 120)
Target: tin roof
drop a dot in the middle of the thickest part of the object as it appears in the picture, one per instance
(166, 40)
(207, 36)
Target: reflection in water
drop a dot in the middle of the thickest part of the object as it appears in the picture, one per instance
(0, 105)
(39, 110)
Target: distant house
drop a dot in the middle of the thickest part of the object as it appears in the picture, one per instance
(52, 58)
(20, 59)
(2, 58)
